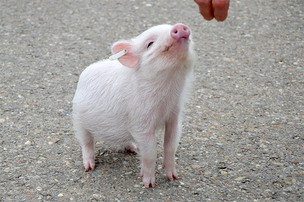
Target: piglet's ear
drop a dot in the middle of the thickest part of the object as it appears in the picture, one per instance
(129, 59)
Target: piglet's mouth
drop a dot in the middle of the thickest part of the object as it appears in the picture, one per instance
(167, 48)
(176, 45)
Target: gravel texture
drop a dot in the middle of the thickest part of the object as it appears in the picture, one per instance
(243, 131)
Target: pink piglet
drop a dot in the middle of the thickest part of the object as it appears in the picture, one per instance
(123, 100)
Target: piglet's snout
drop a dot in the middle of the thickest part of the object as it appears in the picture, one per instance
(180, 31)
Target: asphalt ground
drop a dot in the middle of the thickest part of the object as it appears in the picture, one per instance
(243, 130)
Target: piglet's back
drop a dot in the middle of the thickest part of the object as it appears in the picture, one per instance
(99, 78)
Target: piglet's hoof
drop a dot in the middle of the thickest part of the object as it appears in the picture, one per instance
(89, 164)
(132, 148)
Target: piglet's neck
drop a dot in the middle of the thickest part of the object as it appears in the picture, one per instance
(164, 82)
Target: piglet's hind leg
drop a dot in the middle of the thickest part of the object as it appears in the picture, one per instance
(88, 156)
(131, 148)
(87, 143)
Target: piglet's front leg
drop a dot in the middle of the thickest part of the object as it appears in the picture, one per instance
(147, 151)
(172, 134)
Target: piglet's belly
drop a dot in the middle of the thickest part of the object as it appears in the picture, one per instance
(105, 127)
(114, 135)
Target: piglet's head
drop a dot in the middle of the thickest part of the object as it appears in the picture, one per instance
(160, 48)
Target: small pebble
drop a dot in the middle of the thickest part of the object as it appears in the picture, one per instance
(27, 142)
(239, 178)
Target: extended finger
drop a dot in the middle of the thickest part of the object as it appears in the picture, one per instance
(205, 7)
(220, 9)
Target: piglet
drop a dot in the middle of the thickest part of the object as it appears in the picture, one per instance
(122, 101)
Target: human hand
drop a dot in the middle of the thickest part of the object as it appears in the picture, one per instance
(210, 9)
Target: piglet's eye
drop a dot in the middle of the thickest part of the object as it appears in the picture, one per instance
(150, 44)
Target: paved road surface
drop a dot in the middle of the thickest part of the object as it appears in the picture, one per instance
(243, 131)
